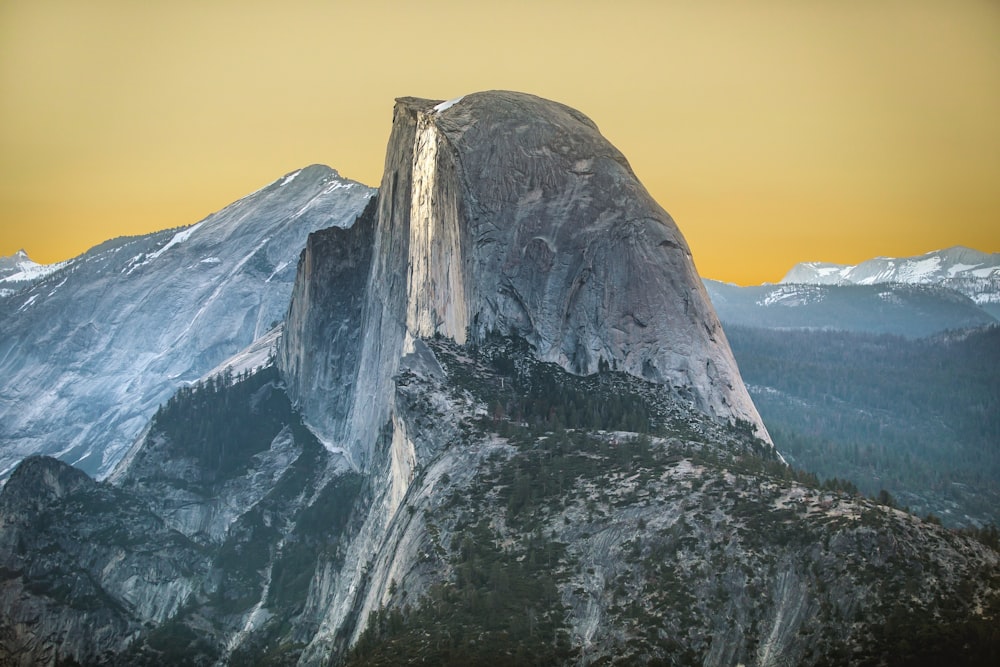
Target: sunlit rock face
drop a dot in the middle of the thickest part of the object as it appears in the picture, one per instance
(497, 213)
(565, 247)
(503, 212)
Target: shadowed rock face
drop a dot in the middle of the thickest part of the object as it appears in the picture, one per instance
(503, 212)
(73, 588)
(321, 346)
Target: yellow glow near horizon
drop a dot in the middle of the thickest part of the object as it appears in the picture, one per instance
(774, 132)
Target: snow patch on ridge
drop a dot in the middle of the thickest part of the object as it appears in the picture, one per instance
(921, 270)
(960, 268)
(178, 238)
(30, 271)
(281, 267)
(986, 272)
(291, 177)
(27, 303)
(444, 106)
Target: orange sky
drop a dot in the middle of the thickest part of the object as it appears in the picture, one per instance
(773, 131)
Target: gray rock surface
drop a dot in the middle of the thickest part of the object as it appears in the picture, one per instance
(89, 351)
(320, 348)
(684, 546)
(435, 501)
(561, 244)
(505, 213)
(84, 565)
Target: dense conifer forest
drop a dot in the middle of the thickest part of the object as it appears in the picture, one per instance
(919, 419)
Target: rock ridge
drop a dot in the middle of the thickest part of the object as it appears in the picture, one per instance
(504, 213)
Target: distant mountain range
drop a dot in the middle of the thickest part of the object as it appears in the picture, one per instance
(971, 272)
(956, 288)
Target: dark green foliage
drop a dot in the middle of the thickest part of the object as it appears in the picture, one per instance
(918, 418)
(988, 535)
(950, 635)
(222, 423)
(174, 643)
(522, 392)
(502, 606)
(319, 530)
(544, 394)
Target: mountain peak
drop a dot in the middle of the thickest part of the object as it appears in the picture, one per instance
(504, 213)
(927, 268)
(135, 317)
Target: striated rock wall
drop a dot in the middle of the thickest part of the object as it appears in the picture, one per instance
(568, 249)
(320, 350)
(503, 212)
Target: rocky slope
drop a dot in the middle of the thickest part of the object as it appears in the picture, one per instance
(85, 567)
(534, 527)
(89, 351)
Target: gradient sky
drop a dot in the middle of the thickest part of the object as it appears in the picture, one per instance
(773, 131)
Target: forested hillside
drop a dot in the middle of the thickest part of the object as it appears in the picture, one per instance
(917, 418)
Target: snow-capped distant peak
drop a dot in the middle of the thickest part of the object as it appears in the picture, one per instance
(931, 267)
(971, 272)
(19, 268)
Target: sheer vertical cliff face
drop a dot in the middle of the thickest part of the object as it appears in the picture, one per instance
(321, 346)
(436, 282)
(229, 534)
(503, 212)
